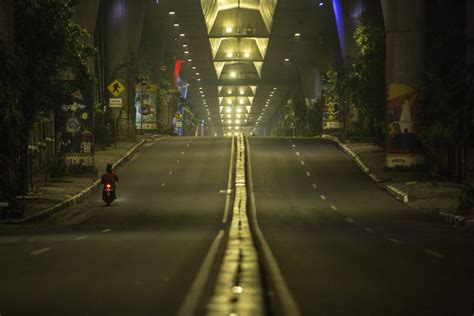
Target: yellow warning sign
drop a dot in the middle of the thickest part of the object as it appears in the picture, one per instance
(116, 88)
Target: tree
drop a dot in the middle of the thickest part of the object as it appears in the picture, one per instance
(51, 48)
(365, 84)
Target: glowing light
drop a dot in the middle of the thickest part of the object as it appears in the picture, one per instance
(247, 55)
(229, 91)
(182, 35)
(229, 110)
(176, 24)
(230, 55)
(171, 13)
(229, 102)
(233, 74)
(297, 34)
(239, 110)
(229, 29)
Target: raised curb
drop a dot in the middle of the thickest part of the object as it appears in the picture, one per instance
(79, 197)
(456, 220)
(396, 193)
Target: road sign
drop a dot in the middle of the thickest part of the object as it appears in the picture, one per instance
(179, 124)
(116, 88)
(115, 102)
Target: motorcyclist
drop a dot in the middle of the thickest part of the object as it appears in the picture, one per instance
(110, 177)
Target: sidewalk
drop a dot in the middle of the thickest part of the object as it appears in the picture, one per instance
(423, 193)
(60, 193)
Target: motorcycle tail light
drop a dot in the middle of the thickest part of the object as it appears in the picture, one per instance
(108, 186)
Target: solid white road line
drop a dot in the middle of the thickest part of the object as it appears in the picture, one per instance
(38, 252)
(435, 254)
(194, 295)
(229, 183)
(322, 197)
(282, 292)
(81, 238)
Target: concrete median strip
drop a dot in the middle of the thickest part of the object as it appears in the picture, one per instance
(238, 289)
(77, 198)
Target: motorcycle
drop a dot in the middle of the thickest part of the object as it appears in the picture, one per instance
(108, 194)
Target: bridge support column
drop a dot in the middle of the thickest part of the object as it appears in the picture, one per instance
(405, 39)
(123, 23)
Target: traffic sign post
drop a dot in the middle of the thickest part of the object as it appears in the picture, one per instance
(116, 88)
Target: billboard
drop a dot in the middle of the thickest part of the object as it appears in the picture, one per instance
(146, 101)
(403, 146)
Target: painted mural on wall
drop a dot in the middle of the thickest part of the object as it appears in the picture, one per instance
(146, 100)
(331, 111)
(403, 126)
(75, 123)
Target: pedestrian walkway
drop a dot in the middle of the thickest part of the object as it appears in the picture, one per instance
(424, 194)
(61, 189)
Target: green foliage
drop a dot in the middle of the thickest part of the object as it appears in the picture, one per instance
(314, 119)
(103, 130)
(466, 199)
(365, 84)
(51, 47)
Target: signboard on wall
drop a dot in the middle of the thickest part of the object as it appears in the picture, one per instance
(146, 102)
(403, 127)
(75, 123)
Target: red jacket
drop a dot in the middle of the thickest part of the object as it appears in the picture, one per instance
(109, 177)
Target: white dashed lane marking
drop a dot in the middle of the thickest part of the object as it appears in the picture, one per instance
(81, 237)
(187, 145)
(350, 220)
(297, 153)
(177, 161)
(435, 254)
(170, 173)
(394, 240)
(163, 184)
(369, 230)
(333, 208)
(302, 162)
(182, 153)
(40, 251)
(106, 230)
(294, 146)
(308, 173)
(322, 197)
(315, 186)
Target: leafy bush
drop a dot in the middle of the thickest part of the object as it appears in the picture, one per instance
(466, 200)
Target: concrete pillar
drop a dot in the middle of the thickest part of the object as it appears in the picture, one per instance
(405, 39)
(6, 23)
(123, 23)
